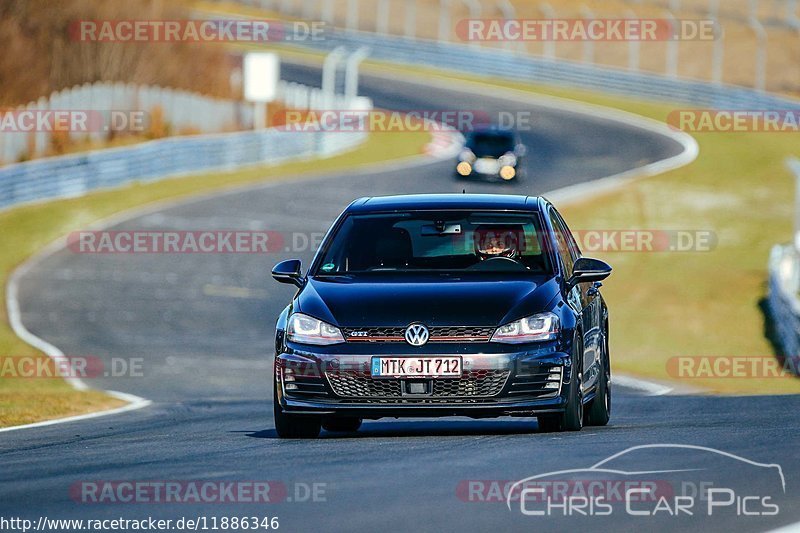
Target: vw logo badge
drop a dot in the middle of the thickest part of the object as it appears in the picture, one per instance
(417, 335)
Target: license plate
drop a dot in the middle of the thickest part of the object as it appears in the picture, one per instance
(487, 166)
(416, 367)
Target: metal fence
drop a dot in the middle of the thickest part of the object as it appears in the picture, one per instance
(784, 286)
(783, 302)
(180, 111)
(74, 175)
(769, 26)
(507, 64)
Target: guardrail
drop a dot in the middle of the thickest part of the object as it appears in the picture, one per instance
(783, 302)
(180, 110)
(516, 66)
(784, 286)
(74, 175)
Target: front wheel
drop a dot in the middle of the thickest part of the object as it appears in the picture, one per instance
(599, 411)
(289, 426)
(572, 417)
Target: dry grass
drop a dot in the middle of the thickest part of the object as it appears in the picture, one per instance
(695, 57)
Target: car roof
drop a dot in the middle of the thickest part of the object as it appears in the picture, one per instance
(446, 201)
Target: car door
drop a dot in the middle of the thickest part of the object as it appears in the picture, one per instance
(579, 298)
(591, 314)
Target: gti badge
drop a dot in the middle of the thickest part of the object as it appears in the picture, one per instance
(417, 335)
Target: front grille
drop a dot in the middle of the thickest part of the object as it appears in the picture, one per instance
(437, 334)
(472, 384)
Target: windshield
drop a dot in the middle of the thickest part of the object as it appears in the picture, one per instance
(490, 144)
(449, 241)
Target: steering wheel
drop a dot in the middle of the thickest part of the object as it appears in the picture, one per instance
(499, 263)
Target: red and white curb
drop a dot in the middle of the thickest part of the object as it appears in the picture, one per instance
(445, 143)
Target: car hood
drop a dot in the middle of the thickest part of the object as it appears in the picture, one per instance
(350, 302)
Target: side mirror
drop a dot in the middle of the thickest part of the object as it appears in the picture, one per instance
(289, 272)
(588, 269)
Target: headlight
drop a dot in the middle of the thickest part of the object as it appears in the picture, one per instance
(466, 155)
(541, 327)
(308, 330)
(507, 160)
(507, 173)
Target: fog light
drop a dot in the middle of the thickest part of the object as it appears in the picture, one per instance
(464, 168)
(288, 377)
(507, 173)
(551, 385)
(292, 386)
(556, 377)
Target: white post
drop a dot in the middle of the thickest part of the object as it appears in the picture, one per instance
(474, 13)
(444, 20)
(509, 13)
(713, 9)
(791, 14)
(753, 8)
(634, 46)
(351, 73)
(718, 53)
(588, 44)
(672, 49)
(327, 11)
(329, 67)
(549, 44)
(794, 166)
(382, 17)
(761, 54)
(352, 15)
(411, 19)
(308, 9)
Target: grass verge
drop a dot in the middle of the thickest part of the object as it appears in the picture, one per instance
(669, 305)
(28, 228)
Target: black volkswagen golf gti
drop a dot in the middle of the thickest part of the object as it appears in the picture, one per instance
(443, 305)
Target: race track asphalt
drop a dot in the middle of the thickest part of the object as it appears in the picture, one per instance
(202, 326)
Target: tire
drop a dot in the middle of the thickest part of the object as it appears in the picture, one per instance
(572, 417)
(598, 412)
(341, 424)
(289, 426)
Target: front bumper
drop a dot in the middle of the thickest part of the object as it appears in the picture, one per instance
(492, 384)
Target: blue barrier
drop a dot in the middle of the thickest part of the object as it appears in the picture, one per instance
(74, 175)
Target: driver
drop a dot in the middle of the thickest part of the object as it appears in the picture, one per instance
(496, 243)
